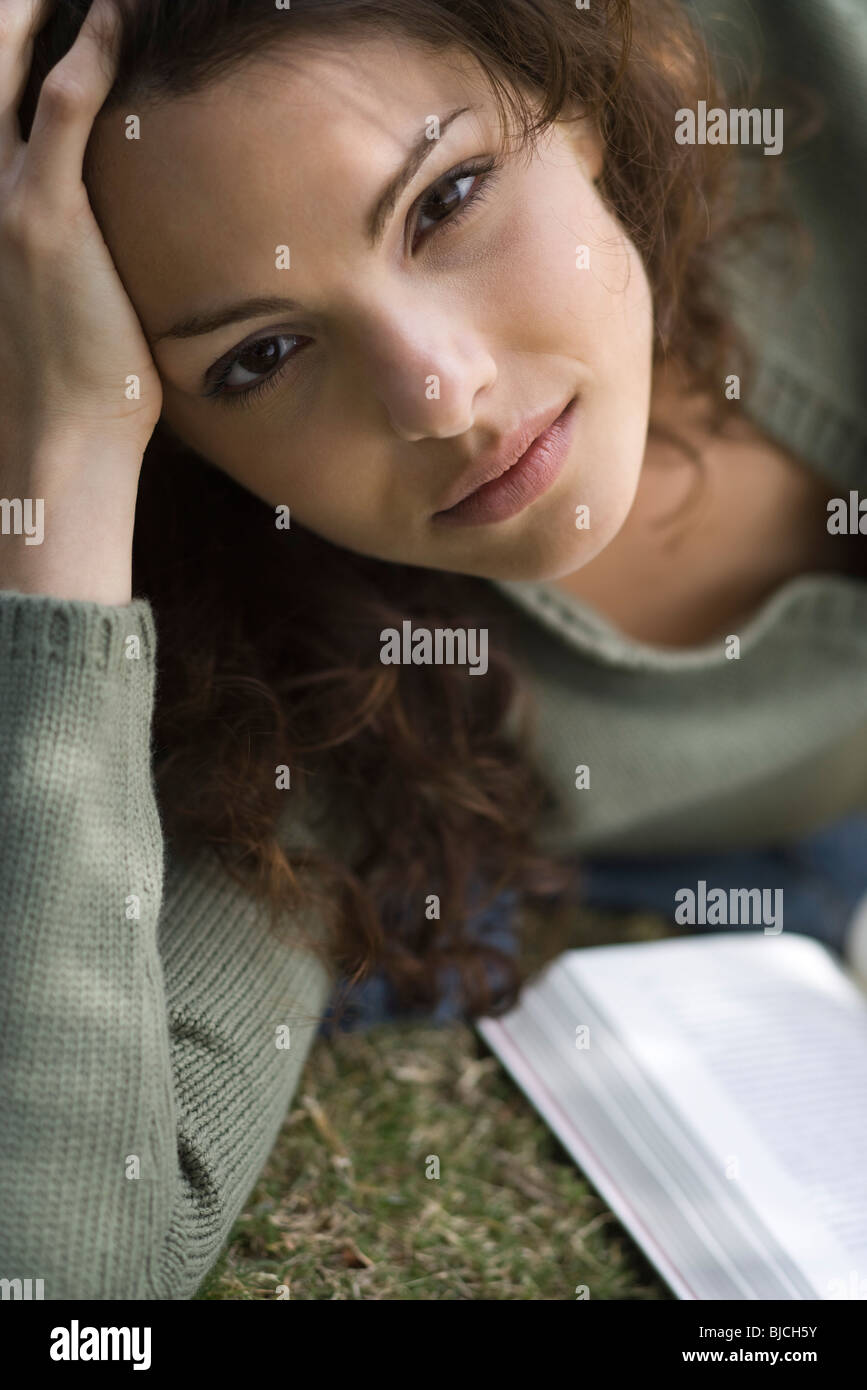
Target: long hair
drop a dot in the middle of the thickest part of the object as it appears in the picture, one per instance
(268, 652)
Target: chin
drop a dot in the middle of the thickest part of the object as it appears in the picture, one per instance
(535, 557)
(549, 546)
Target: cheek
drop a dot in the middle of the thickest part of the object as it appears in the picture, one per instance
(575, 284)
(249, 446)
(310, 477)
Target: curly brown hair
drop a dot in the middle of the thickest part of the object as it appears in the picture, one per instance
(268, 653)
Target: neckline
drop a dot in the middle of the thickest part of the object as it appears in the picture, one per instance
(808, 598)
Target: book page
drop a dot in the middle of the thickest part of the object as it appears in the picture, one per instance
(761, 1044)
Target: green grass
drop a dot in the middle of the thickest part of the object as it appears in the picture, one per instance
(344, 1209)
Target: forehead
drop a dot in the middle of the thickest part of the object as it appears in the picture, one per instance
(291, 148)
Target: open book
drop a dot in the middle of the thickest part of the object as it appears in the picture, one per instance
(714, 1090)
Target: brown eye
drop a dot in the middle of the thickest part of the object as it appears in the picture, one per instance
(255, 363)
(260, 357)
(456, 195)
(446, 197)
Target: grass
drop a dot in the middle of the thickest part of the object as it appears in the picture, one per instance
(345, 1210)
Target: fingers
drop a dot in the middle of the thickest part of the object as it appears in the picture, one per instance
(19, 21)
(69, 100)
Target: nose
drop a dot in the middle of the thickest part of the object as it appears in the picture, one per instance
(428, 366)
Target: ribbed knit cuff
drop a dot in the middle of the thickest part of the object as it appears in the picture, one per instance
(75, 633)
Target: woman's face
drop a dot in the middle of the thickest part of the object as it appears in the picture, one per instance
(400, 365)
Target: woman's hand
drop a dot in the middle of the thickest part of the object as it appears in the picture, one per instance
(79, 392)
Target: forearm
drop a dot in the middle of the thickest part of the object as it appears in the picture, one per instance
(66, 529)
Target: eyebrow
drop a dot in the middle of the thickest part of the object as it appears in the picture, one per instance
(415, 159)
(259, 306)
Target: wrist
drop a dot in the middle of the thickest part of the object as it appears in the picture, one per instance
(66, 525)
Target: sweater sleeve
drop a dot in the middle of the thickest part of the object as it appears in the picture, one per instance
(152, 1028)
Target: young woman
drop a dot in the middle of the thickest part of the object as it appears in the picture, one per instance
(475, 540)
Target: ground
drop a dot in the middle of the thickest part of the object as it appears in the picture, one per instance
(344, 1209)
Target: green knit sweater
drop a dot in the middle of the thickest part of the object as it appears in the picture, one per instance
(143, 1000)
(143, 1004)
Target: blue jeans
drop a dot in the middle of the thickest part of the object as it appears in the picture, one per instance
(822, 878)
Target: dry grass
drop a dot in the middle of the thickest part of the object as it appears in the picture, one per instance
(345, 1209)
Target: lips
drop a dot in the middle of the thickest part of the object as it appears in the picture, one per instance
(521, 471)
(494, 464)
